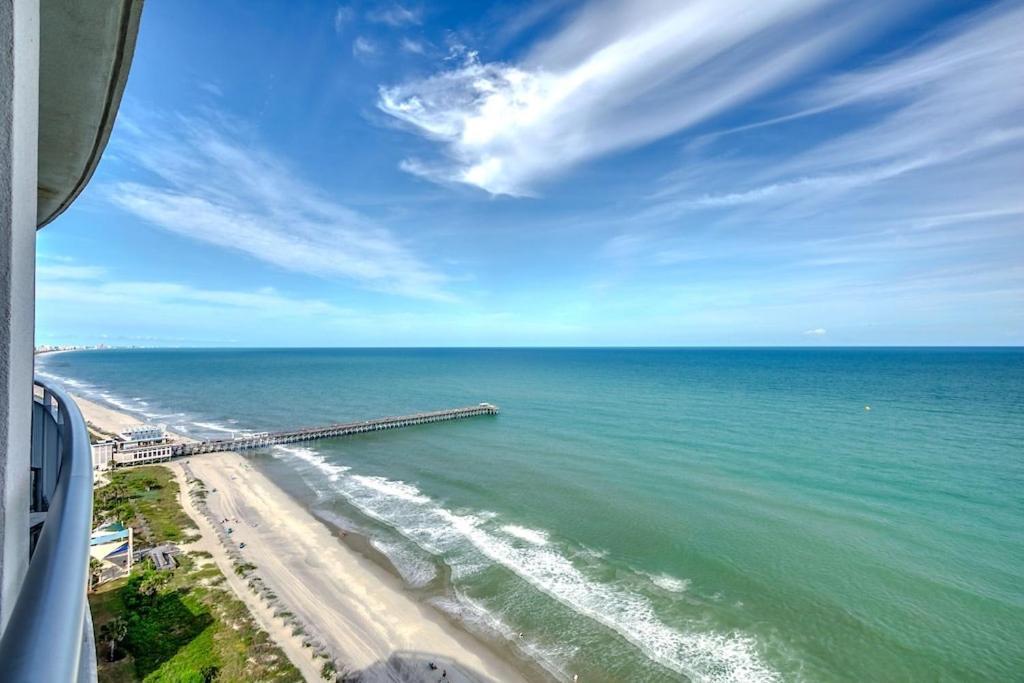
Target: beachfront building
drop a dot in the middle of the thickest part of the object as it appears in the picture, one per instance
(143, 433)
(103, 455)
(142, 444)
(63, 67)
(141, 455)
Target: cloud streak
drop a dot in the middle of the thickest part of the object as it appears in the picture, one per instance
(395, 16)
(618, 75)
(89, 304)
(954, 98)
(210, 185)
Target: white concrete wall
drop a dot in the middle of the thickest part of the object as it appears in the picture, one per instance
(102, 454)
(19, 105)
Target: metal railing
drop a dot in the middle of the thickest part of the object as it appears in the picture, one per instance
(49, 634)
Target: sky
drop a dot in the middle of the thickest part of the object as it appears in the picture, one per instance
(554, 173)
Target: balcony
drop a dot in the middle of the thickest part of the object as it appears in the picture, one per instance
(49, 635)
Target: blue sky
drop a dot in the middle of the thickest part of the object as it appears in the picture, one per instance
(711, 172)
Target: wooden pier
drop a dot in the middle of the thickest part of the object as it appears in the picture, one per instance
(265, 439)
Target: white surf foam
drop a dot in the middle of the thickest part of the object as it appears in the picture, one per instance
(307, 455)
(668, 582)
(463, 537)
(398, 489)
(703, 656)
(414, 569)
(526, 534)
(214, 427)
(477, 617)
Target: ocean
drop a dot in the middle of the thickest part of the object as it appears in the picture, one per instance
(654, 514)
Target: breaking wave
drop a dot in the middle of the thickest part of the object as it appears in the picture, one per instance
(472, 541)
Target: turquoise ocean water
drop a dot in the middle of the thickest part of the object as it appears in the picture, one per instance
(650, 515)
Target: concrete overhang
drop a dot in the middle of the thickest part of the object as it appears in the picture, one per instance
(85, 51)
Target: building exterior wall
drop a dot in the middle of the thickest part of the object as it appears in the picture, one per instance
(143, 433)
(136, 455)
(102, 455)
(19, 106)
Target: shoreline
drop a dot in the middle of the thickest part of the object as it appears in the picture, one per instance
(323, 592)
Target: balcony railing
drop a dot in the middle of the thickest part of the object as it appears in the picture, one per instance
(49, 634)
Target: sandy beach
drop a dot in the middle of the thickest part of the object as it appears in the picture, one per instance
(347, 605)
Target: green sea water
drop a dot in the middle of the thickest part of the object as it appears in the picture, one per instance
(651, 515)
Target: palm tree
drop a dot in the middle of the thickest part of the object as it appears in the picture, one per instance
(94, 569)
(115, 631)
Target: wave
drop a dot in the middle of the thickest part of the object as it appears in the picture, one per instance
(468, 540)
(553, 658)
(388, 487)
(412, 567)
(135, 406)
(213, 426)
(705, 656)
(313, 458)
(139, 407)
(529, 535)
(668, 582)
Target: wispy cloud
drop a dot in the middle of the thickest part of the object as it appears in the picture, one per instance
(411, 46)
(67, 271)
(162, 298)
(212, 185)
(343, 16)
(395, 16)
(816, 332)
(957, 96)
(363, 47)
(87, 306)
(211, 88)
(620, 74)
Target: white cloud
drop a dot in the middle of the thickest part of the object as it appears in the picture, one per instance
(68, 272)
(412, 46)
(620, 74)
(211, 88)
(342, 17)
(395, 16)
(953, 98)
(816, 332)
(161, 298)
(132, 311)
(363, 47)
(215, 187)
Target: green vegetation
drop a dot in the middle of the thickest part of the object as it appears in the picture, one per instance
(147, 499)
(244, 568)
(177, 625)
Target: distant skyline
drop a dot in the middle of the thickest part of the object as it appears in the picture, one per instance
(554, 173)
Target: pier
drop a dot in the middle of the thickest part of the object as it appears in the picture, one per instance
(265, 439)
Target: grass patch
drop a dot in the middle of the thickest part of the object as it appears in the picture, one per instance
(147, 498)
(178, 625)
(179, 630)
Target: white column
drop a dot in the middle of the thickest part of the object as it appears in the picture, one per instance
(19, 116)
